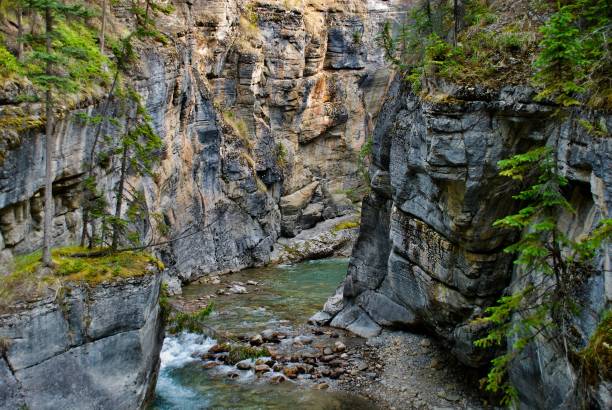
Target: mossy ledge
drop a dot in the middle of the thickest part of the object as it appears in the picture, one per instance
(27, 282)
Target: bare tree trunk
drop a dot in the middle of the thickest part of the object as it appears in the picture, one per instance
(49, 206)
(120, 188)
(20, 34)
(146, 22)
(456, 22)
(103, 29)
(90, 166)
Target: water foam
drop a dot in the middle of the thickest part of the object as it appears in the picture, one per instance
(184, 348)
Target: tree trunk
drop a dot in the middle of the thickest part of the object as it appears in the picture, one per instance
(103, 29)
(456, 22)
(20, 34)
(146, 22)
(90, 166)
(119, 202)
(49, 206)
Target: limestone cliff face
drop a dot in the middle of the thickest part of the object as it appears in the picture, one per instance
(427, 254)
(262, 107)
(97, 346)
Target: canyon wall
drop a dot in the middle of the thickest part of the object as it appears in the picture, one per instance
(96, 347)
(262, 108)
(427, 255)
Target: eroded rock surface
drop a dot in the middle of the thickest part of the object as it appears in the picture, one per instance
(94, 347)
(427, 255)
(257, 102)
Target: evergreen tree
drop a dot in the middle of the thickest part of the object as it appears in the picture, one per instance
(46, 68)
(553, 265)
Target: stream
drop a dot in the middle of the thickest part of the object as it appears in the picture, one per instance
(283, 299)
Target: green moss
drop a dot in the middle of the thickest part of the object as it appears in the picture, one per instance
(346, 225)
(596, 357)
(25, 283)
(9, 66)
(238, 353)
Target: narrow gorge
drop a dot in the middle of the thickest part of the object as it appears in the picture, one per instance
(313, 204)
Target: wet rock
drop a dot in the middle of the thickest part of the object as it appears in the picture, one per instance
(264, 360)
(233, 375)
(291, 372)
(219, 348)
(237, 289)
(425, 343)
(272, 336)
(252, 283)
(328, 351)
(262, 368)
(304, 368)
(322, 386)
(256, 340)
(245, 364)
(210, 365)
(277, 379)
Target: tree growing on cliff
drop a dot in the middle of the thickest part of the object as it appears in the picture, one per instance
(94, 207)
(576, 58)
(550, 267)
(52, 66)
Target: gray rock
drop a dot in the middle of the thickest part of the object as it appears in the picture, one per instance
(105, 341)
(427, 254)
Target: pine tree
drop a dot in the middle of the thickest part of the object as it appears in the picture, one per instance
(554, 265)
(45, 69)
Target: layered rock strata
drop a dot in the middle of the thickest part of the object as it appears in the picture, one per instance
(427, 255)
(257, 103)
(83, 347)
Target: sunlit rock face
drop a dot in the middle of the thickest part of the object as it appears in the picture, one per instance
(428, 256)
(254, 101)
(95, 347)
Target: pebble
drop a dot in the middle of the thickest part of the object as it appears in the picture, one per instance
(448, 395)
(322, 386)
(436, 364)
(425, 343)
(339, 347)
(327, 351)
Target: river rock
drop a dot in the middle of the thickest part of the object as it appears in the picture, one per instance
(256, 340)
(245, 364)
(237, 289)
(291, 372)
(262, 368)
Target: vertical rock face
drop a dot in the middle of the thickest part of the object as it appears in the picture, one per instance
(96, 346)
(427, 254)
(256, 102)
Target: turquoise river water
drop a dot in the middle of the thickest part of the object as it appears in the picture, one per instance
(286, 298)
